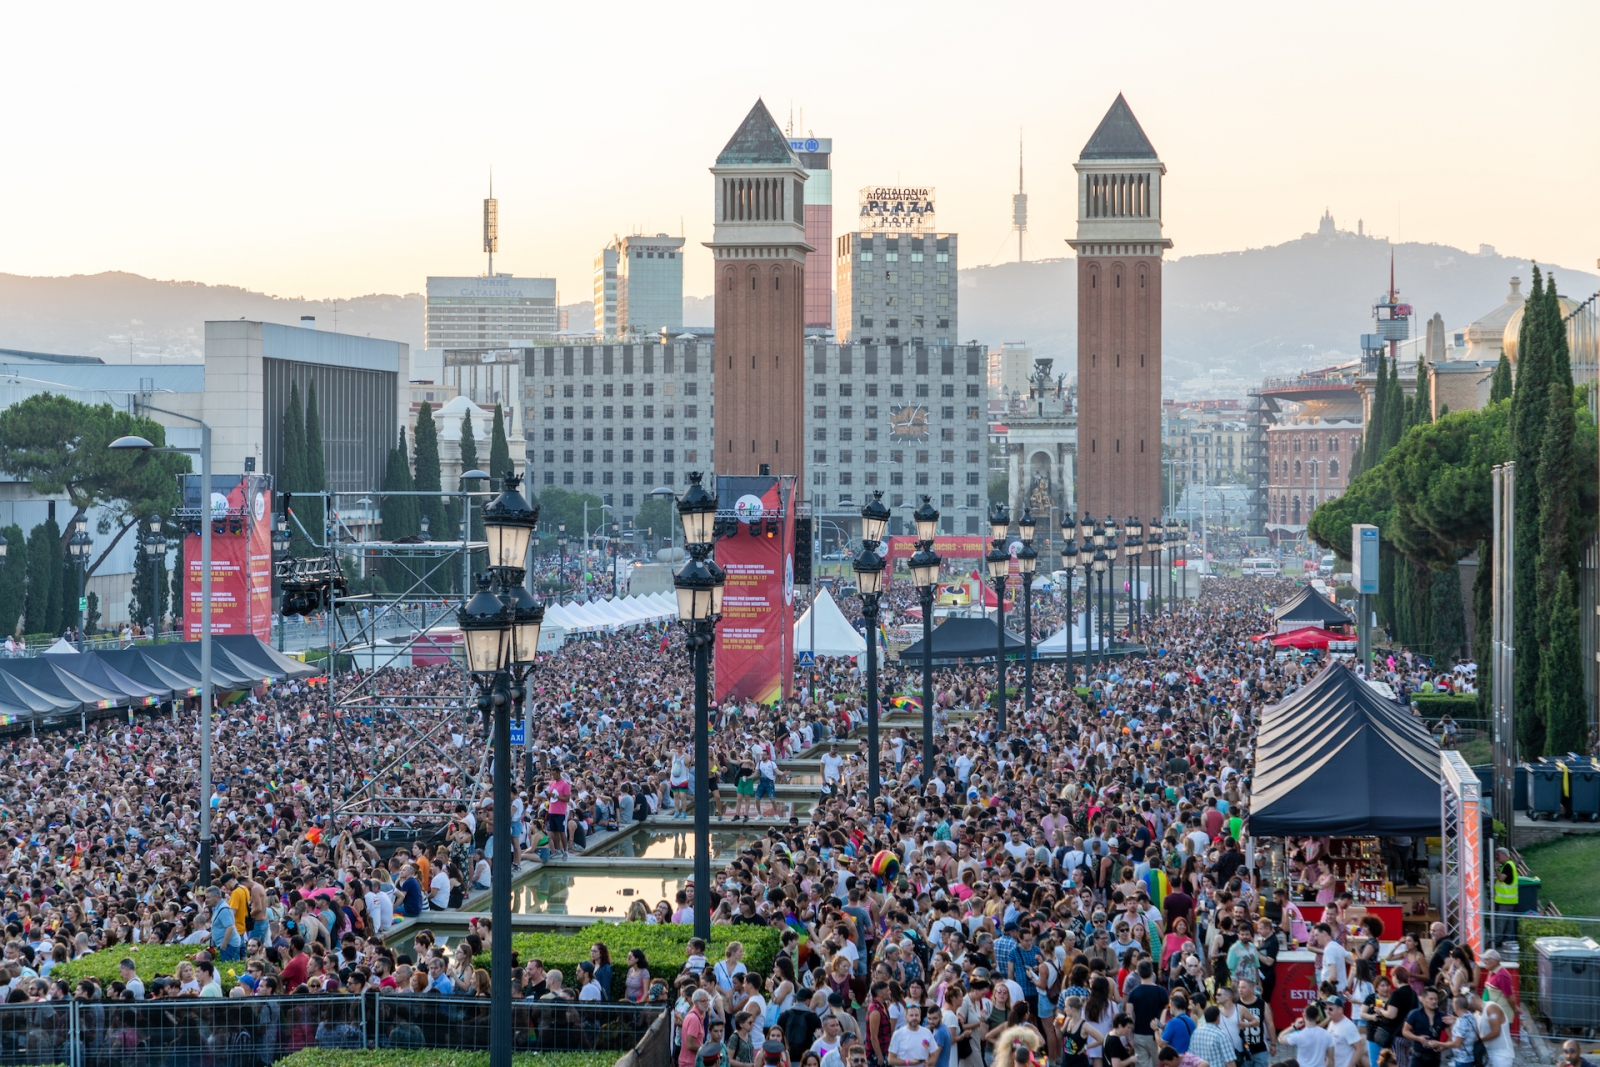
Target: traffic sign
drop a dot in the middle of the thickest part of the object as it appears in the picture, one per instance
(83, 603)
(808, 658)
(519, 737)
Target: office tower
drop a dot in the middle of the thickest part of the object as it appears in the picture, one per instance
(499, 312)
(816, 156)
(897, 287)
(605, 291)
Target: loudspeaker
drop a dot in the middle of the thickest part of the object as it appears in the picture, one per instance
(802, 550)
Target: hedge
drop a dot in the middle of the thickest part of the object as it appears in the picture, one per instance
(427, 1057)
(1434, 705)
(1529, 929)
(148, 960)
(665, 948)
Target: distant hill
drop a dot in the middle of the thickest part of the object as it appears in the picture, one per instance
(1234, 317)
(1229, 318)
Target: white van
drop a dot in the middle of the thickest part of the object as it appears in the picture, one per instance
(1260, 567)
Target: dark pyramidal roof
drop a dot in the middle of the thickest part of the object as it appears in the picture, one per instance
(1119, 136)
(758, 140)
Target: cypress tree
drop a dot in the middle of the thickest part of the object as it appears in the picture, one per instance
(400, 513)
(1447, 618)
(1405, 625)
(43, 608)
(1422, 408)
(499, 448)
(13, 580)
(292, 478)
(1394, 410)
(1483, 625)
(316, 463)
(469, 461)
(67, 591)
(149, 591)
(426, 477)
(1500, 384)
(1529, 405)
(1372, 444)
(1562, 683)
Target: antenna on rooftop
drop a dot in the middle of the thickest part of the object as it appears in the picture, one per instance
(491, 224)
(1019, 203)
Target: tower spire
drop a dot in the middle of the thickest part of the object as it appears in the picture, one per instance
(491, 223)
(1019, 202)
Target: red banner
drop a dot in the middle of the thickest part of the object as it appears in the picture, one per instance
(753, 650)
(951, 547)
(241, 563)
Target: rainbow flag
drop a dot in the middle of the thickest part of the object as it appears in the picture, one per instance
(1155, 884)
(906, 703)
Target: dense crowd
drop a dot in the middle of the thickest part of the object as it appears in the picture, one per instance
(1076, 886)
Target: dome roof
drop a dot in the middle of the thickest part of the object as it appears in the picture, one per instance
(1508, 343)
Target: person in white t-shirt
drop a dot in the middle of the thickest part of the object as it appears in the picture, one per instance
(1335, 965)
(439, 889)
(913, 1045)
(832, 766)
(1349, 1047)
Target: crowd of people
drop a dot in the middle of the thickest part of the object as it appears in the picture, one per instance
(1074, 886)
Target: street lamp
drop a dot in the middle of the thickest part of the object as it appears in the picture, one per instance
(561, 543)
(1135, 549)
(699, 586)
(1155, 538)
(1069, 560)
(1109, 587)
(501, 632)
(869, 583)
(78, 547)
(140, 444)
(999, 561)
(1098, 616)
(1173, 535)
(925, 576)
(1027, 560)
(155, 549)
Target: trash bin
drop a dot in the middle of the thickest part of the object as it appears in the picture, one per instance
(1519, 788)
(1544, 789)
(1569, 981)
(1527, 895)
(1583, 789)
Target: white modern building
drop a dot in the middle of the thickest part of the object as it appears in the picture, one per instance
(502, 311)
(638, 287)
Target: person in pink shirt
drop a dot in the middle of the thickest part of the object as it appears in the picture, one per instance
(559, 791)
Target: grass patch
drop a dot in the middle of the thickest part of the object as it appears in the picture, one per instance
(1566, 868)
(1476, 753)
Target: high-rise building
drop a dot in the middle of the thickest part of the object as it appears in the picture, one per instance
(1119, 247)
(897, 288)
(816, 156)
(605, 291)
(649, 285)
(759, 249)
(502, 311)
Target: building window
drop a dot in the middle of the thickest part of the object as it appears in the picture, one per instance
(922, 477)
(549, 477)
(897, 478)
(821, 389)
(972, 477)
(566, 477)
(627, 498)
(820, 433)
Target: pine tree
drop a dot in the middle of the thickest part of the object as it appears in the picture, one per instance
(426, 476)
(43, 608)
(1562, 683)
(1529, 404)
(1447, 618)
(292, 478)
(316, 464)
(1405, 626)
(1500, 384)
(499, 448)
(13, 580)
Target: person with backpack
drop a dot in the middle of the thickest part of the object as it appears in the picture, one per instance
(1466, 1040)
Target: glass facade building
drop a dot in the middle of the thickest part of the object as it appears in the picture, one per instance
(502, 311)
(815, 155)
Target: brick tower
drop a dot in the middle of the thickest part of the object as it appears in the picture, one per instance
(1119, 247)
(759, 250)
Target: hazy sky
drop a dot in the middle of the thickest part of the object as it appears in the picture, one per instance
(336, 149)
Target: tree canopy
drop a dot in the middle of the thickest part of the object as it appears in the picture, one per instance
(60, 446)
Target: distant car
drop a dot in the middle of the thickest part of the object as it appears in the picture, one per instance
(835, 557)
(848, 589)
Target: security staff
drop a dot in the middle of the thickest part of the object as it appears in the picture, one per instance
(1505, 894)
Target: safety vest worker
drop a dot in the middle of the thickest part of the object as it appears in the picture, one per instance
(1505, 883)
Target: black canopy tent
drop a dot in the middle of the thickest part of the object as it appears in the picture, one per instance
(92, 668)
(1308, 608)
(251, 650)
(1337, 759)
(185, 659)
(151, 671)
(44, 675)
(964, 638)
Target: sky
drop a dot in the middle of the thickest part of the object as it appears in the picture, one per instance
(329, 150)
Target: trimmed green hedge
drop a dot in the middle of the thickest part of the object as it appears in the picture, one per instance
(1434, 705)
(148, 960)
(665, 948)
(428, 1057)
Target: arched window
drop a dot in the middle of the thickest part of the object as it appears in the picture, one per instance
(1297, 468)
(1333, 469)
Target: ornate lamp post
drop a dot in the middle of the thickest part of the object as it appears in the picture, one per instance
(869, 582)
(1098, 617)
(1154, 538)
(501, 631)
(1112, 530)
(1028, 561)
(999, 561)
(1069, 560)
(155, 548)
(1174, 533)
(925, 576)
(699, 586)
(78, 547)
(1135, 550)
(561, 566)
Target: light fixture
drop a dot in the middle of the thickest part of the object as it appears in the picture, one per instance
(874, 518)
(486, 627)
(509, 523)
(999, 522)
(696, 586)
(999, 561)
(1086, 529)
(1100, 560)
(527, 616)
(422, 526)
(927, 519)
(924, 568)
(697, 510)
(1069, 553)
(869, 567)
(1027, 555)
(154, 523)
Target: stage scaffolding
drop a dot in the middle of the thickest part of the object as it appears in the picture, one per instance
(359, 694)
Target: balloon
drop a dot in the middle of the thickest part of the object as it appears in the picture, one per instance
(886, 865)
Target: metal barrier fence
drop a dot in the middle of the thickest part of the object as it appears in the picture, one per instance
(1558, 968)
(259, 1031)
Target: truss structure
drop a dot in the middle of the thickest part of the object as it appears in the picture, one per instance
(1462, 862)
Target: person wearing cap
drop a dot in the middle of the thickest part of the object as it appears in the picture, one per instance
(692, 1032)
(713, 1054)
(1499, 988)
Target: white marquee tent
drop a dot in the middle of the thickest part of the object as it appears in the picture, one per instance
(835, 636)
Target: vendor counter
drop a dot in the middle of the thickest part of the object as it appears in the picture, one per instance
(1392, 915)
